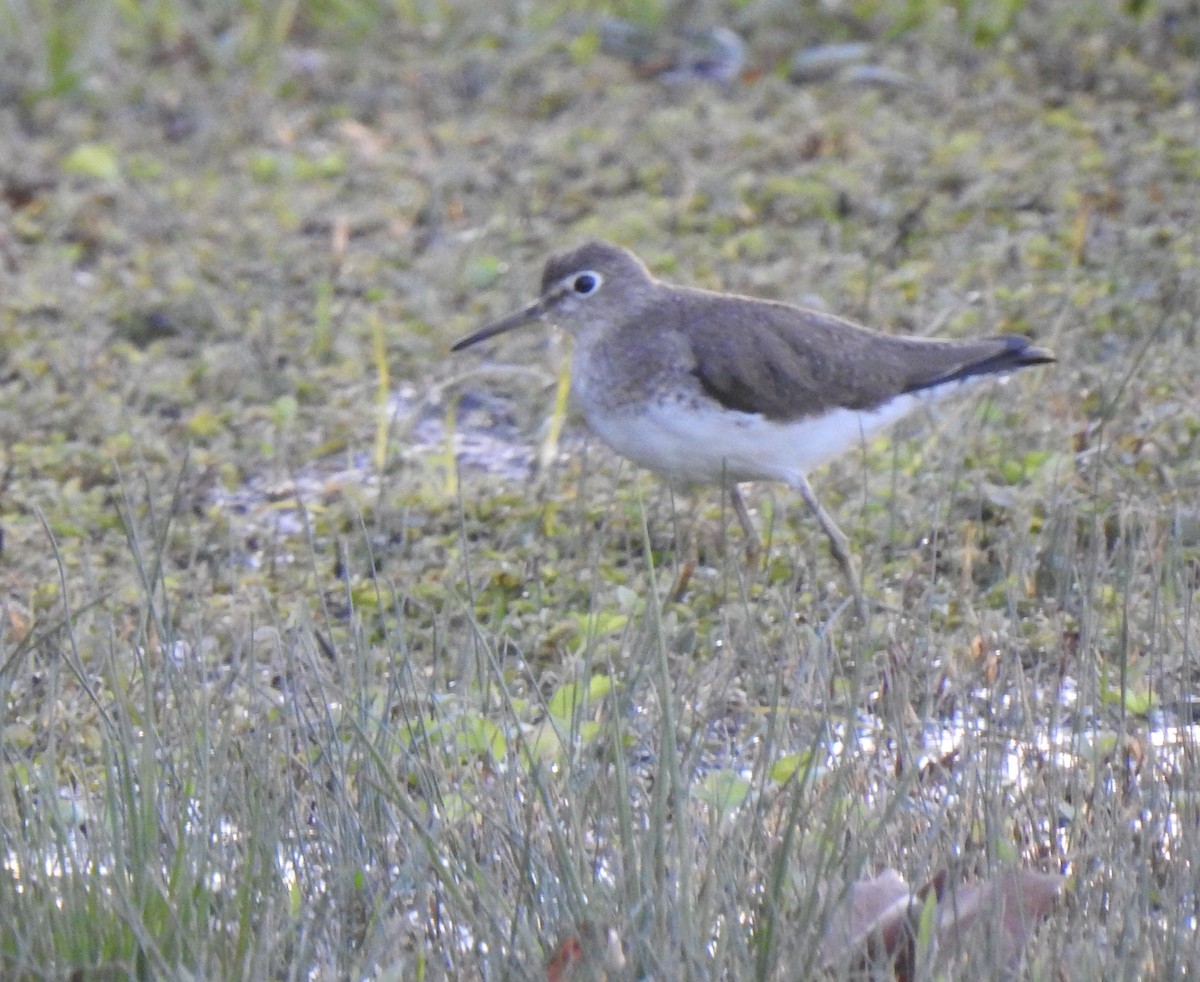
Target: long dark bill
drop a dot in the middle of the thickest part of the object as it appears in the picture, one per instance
(534, 312)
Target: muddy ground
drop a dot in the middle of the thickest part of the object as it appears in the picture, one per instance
(236, 445)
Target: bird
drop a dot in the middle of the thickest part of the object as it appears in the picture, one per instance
(705, 388)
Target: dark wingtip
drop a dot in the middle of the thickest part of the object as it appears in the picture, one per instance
(1021, 352)
(1016, 352)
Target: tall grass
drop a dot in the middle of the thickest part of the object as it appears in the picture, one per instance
(440, 740)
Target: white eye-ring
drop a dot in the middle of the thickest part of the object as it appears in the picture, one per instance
(586, 283)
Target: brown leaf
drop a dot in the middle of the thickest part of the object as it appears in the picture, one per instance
(1010, 906)
(591, 954)
(883, 917)
(875, 925)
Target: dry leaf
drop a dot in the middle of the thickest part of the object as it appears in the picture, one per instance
(590, 954)
(883, 917)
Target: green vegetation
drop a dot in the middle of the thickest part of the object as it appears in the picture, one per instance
(305, 676)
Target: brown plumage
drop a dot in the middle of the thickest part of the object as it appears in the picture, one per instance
(755, 356)
(704, 387)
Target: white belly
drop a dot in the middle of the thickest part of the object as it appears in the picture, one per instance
(698, 444)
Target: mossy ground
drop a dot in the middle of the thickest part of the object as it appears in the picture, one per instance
(309, 673)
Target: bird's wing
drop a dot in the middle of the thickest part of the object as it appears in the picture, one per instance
(789, 363)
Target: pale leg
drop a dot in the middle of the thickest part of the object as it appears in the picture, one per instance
(839, 545)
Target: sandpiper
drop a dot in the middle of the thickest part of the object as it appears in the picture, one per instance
(705, 387)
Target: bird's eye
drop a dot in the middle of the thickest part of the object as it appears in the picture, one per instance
(586, 283)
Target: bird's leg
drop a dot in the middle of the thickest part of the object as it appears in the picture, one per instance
(839, 545)
(691, 552)
(687, 553)
(753, 542)
(684, 579)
